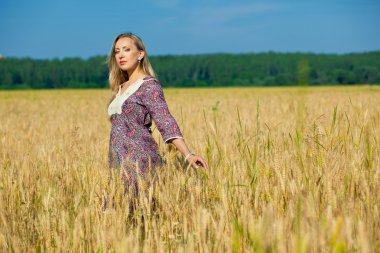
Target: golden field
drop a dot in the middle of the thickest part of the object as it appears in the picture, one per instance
(290, 170)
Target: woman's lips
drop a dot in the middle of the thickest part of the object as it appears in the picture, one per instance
(122, 62)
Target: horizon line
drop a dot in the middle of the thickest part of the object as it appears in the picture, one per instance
(2, 56)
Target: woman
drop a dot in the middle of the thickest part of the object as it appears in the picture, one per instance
(137, 99)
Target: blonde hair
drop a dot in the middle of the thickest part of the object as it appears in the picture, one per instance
(116, 75)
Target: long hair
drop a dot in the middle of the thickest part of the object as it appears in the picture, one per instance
(116, 75)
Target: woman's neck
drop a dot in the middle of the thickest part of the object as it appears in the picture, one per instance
(135, 74)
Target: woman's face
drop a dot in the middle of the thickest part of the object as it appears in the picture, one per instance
(126, 54)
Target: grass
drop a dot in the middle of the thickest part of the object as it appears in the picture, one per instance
(291, 170)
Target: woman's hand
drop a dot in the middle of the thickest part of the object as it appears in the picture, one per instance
(197, 161)
(191, 158)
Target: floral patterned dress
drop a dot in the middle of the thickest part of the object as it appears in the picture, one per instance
(132, 148)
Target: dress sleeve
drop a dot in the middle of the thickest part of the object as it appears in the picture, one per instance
(154, 100)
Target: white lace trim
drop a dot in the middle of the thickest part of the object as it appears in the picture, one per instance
(117, 103)
(175, 137)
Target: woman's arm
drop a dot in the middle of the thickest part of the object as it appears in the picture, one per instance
(193, 159)
(153, 98)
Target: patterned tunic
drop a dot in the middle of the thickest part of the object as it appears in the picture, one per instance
(132, 148)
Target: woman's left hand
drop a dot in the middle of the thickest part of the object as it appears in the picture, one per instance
(197, 161)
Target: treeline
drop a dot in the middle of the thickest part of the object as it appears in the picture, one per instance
(261, 69)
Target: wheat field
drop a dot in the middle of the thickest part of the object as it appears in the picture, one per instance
(290, 170)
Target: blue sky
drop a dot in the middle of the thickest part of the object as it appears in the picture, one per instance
(82, 28)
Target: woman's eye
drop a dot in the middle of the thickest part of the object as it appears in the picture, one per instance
(116, 52)
(127, 50)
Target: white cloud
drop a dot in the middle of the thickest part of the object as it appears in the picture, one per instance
(226, 13)
(210, 20)
(216, 20)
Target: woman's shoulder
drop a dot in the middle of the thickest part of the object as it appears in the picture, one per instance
(150, 81)
(149, 85)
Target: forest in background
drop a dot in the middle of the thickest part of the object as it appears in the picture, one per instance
(207, 70)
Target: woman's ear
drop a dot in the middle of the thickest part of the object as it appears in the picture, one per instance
(142, 54)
